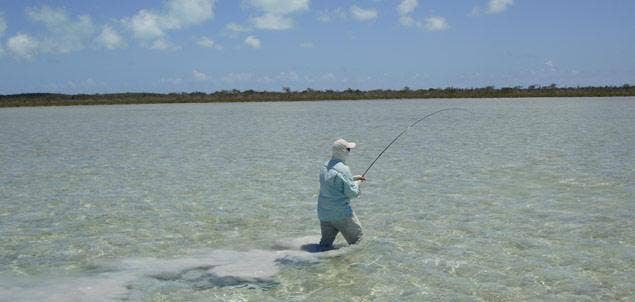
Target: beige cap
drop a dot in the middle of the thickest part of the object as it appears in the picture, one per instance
(343, 144)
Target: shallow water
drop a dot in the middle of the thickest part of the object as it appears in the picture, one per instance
(528, 199)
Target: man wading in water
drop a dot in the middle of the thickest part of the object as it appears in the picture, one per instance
(337, 187)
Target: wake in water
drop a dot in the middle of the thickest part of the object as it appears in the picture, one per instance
(204, 269)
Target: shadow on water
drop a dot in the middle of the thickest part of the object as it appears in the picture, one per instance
(317, 248)
(313, 248)
(200, 278)
(201, 270)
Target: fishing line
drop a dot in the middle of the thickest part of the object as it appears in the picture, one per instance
(404, 132)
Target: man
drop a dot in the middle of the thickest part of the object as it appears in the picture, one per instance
(337, 188)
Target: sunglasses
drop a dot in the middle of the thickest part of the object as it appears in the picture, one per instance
(348, 149)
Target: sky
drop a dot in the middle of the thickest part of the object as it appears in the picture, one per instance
(109, 46)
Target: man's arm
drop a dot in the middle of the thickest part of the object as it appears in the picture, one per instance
(349, 186)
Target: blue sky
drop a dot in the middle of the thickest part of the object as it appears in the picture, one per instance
(102, 46)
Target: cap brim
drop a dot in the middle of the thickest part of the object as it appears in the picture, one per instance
(351, 145)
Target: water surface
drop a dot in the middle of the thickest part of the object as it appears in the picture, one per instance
(528, 199)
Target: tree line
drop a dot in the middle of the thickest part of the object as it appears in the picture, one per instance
(56, 99)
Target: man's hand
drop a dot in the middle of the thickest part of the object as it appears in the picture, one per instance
(359, 177)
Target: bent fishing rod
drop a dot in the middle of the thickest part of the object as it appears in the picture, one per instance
(404, 132)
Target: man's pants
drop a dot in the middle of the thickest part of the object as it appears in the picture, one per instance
(350, 227)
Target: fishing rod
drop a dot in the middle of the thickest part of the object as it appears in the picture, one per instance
(404, 132)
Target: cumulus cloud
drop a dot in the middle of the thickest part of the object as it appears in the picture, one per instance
(3, 25)
(550, 66)
(3, 28)
(408, 21)
(354, 12)
(436, 23)
(275, 13)
(361, 14)
(406, 7)
(81, 85)
(233, 78)
(146, 25)
(64, 34)
(280, 7)
(493, 7)
(110, 38)
(199, 76)
(252, 42)
(163, 44)
(171, 81)
(152, 26)
(307, 45)
(237, 28)
(498, 6)
(433, 23)
(329, 15)
(184, 13)
(208, 43)
(23, 46)
(273, 22)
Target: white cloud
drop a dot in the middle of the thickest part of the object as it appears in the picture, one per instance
(436, 23)
(110, 39)
(354, 12)
(184, 13)
(493, 7)
(498, 6)
(82, 85)
(64, 34)
(208, 43)
(433, 23)
(408, 21)
(3, 28)
(550, 66)
(234, 78)
(23, 46)
(280, 7)
(476, 11)
(276, 13)
(237, 28)
(3, 25)
(362, 14)
(407, 6)
(329, 15)
(252, 42)
(146, 25)
(307, 45)
(163, 44)
(272, 22)
(199, 76)
(171, 81)
(152, 26)
(290, 76)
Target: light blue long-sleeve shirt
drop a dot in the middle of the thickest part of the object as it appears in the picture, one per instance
(337, 188)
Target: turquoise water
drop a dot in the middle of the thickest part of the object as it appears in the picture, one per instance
(528, 199)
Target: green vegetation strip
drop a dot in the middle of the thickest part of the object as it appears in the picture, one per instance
(53, 99)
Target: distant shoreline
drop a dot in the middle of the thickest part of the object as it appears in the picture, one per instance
(229, 96)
